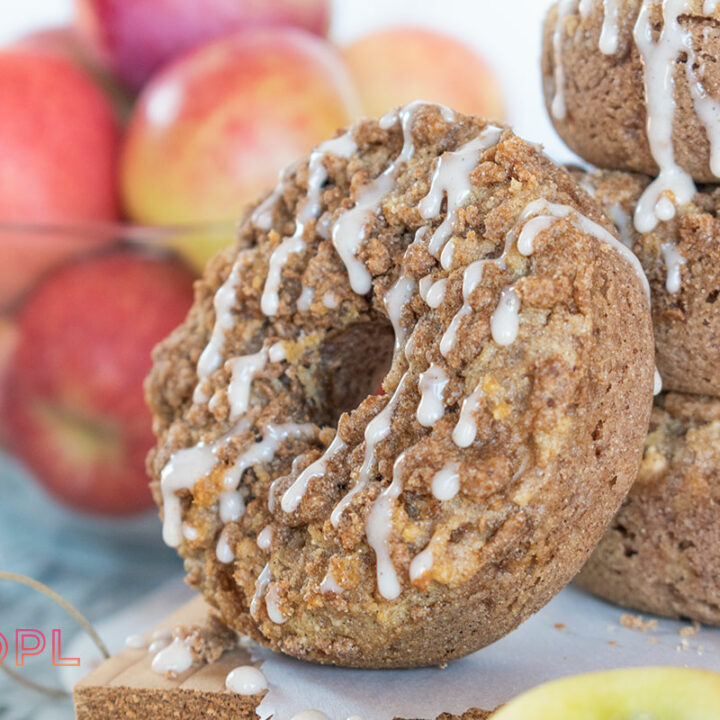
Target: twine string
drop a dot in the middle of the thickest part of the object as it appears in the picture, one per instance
(71, 610)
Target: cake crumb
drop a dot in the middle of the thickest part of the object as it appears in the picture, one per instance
(612, 642)
(560, 626)
(689, 630)
(635, 622)
(682, 645)
(653, 640)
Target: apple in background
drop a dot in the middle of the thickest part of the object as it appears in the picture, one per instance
(59, 146)
(67, 42)
(211, 131)
(396, 66)
(665, 693)
(139, 36)
(73, 403)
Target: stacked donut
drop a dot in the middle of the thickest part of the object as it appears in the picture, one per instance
(633, 86)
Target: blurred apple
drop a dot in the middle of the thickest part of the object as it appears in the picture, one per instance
(73, 398)
(396, 66)
(210, 132)
(139, 36)
(662, 693)
(67, 42)
(59, 144)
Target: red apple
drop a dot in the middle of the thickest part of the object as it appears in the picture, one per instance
(139, 36)
(210, 132)
(394, 67)
(69, 43)
(73, 399)
(58, 161)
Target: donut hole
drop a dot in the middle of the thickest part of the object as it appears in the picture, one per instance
(355, 360)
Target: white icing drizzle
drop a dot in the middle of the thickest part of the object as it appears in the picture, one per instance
(307, 295)
(243, 369)
(264, 538)
(585, 7)
(557, 106)
(623, 223)
(223, 552)
(451, 180)
(465, 430)
(246, 680)
(189, 465)
(447, 254)
(396, 300)
(377, 531)
(329, 584)
(348, 232)
(189, 532)
(276, 352)
(673, 186)
(272, 605)
(376, 431)
(343, 146)
(136, 642)
(436, 294)
(310, 715)
(446, 482)
(432, 384)
(657, 383)
(231, 506)
(673, 262)
(158, 640)
(261, 584)
(176, 658)
(211, 357)
(710, 6)
(330, 300)
(421, 564)
(504, 322)
(424, 285)
(553, 213)
(610, 28)
(294, 494)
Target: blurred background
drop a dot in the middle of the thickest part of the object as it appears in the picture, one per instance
(132, 134)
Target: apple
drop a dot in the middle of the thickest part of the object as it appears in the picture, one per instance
(394, 67)
(211, 131)
(73, 400)
(59, 145)
(137, 37)
(665, 693)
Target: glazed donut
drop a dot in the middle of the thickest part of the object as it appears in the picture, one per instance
(681, 259)
(661, 553)
(610, 97)
(513, 332)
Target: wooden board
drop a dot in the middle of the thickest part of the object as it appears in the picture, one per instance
(125, 687)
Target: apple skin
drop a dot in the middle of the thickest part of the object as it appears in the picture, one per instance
(211, 131)
(73, 403)
(396, 66)
(137, 37)
(59, 144)
(67, 42)
(661, 693)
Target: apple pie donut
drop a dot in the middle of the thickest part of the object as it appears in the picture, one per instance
(415, 525)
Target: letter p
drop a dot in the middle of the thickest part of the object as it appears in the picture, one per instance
(27, 644)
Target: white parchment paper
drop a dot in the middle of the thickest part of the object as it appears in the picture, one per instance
(574, 634)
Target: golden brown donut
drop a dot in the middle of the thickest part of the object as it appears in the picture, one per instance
(415, 526)
(604, 66)
(661, 553)
(681, 258)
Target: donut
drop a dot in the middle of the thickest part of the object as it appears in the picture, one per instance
(681, 258)
(611, 98)
(412, 525)
(661, 553)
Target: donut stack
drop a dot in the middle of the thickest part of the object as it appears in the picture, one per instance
(633, 87)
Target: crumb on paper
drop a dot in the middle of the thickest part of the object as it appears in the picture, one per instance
(635, 622)
(560, 626)
(653, 640)
(689, 630)
(612, 642)
(682, 645)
